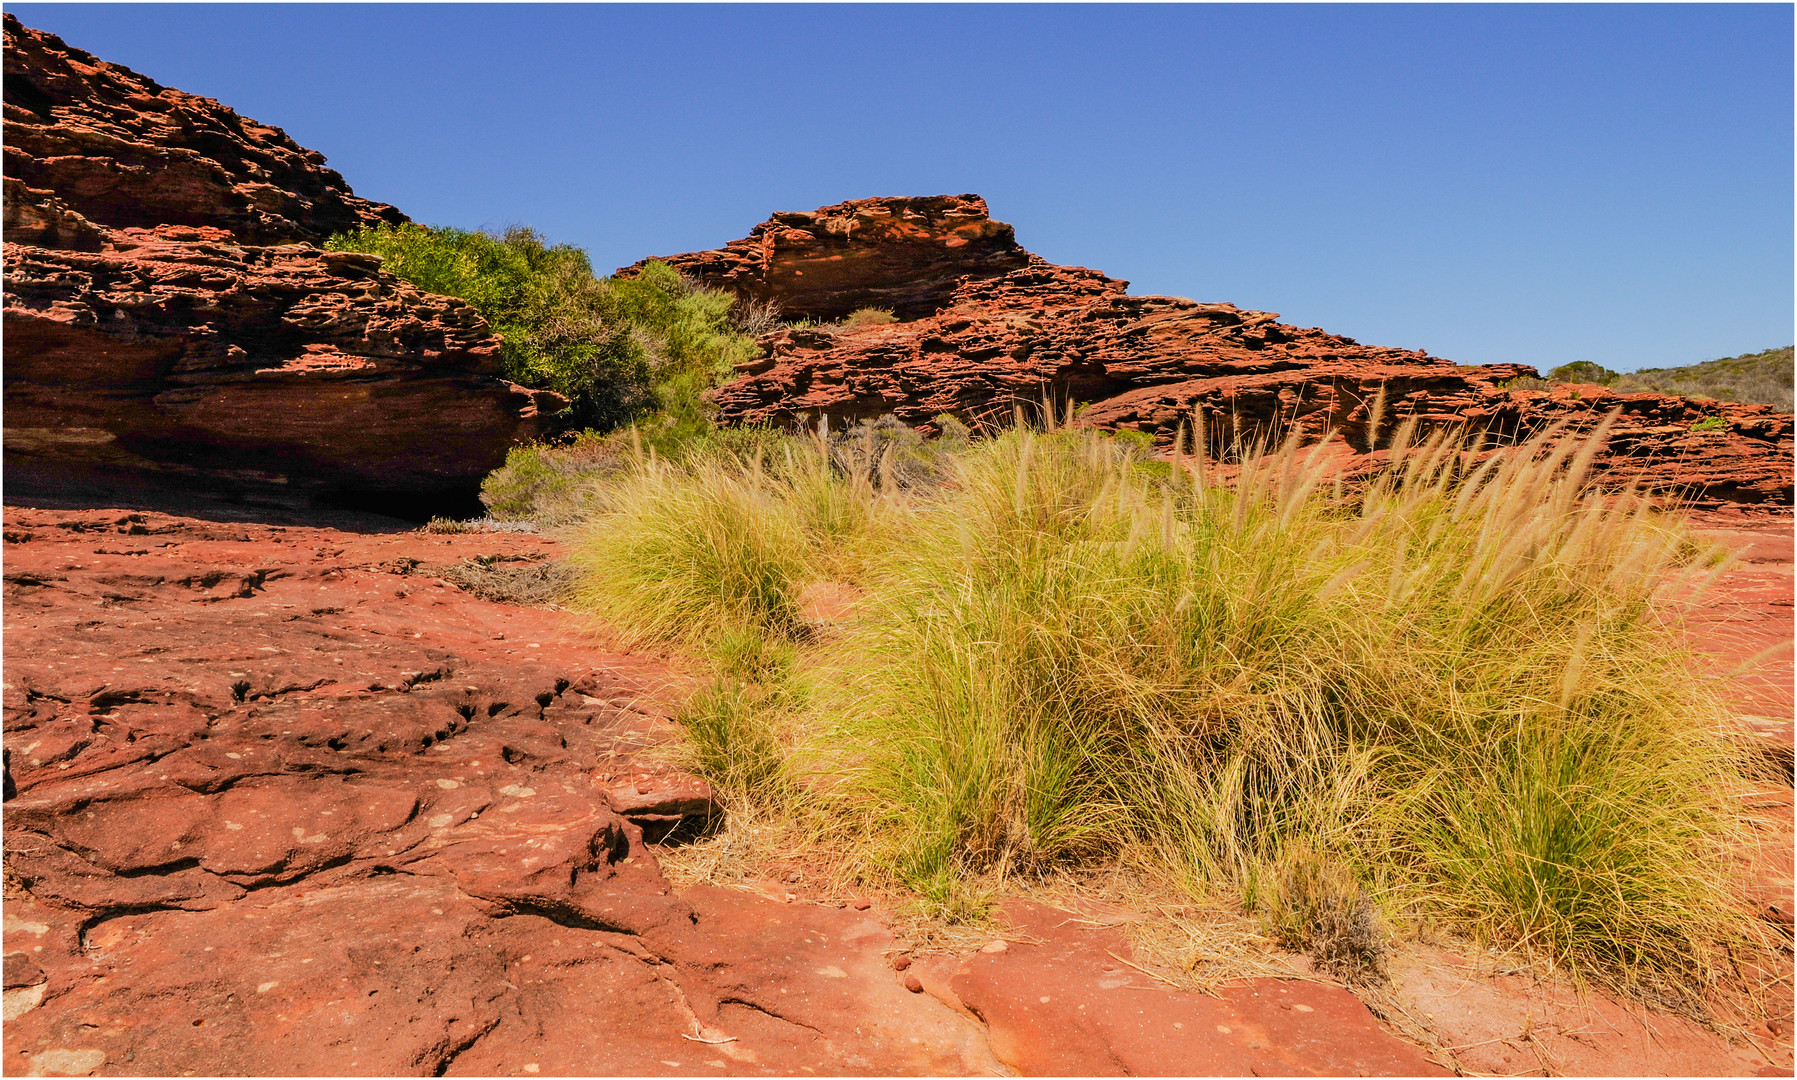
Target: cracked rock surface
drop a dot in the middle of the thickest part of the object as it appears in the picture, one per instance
(281, 802)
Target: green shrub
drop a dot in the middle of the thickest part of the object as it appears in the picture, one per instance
(1763, 378)
(1582, 371)
(551, 483)
(1524, 382)
(616, 348)
(1752, 378)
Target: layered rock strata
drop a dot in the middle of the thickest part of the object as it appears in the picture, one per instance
(122, 150)
(167, 314)
(903, 255)
(1019, 330)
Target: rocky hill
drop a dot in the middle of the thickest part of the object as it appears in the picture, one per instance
(168, 319)
(985, 325)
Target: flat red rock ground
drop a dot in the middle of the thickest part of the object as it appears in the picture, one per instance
(289, 803)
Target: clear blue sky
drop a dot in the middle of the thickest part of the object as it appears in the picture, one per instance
(1536, 184)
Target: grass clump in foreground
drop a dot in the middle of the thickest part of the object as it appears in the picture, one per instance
(1449, 695)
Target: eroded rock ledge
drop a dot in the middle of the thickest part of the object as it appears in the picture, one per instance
(986, 326)
(167, 315)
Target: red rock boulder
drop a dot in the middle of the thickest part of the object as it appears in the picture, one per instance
(168, 319)
(903, 255)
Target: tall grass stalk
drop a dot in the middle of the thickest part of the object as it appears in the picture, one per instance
(1447, 691)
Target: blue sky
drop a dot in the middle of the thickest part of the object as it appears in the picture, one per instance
(1534, 184)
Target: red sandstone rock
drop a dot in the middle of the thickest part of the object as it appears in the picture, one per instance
(1505, 1024)
(159, 320)
(904, 255)
(106, 143)
(287, 804)
(178, 350)
(1061, 1005)
(992, 333)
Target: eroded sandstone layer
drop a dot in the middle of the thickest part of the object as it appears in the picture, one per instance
(986, 326)
(167, 314)
(903, 255)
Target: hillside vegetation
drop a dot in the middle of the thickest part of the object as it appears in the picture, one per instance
(1762, 378)
(1450, 698)
(618, 349)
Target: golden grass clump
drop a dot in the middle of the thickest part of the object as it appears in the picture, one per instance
(1449, 692)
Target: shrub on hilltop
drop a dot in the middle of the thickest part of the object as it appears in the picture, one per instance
(1762, 378)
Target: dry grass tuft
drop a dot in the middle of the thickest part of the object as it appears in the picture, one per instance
(1454, 696)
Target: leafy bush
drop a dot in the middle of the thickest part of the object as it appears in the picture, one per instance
(616, 348)
(1582, 371)
(1763, 378)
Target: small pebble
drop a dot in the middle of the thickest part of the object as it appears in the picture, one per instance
(863, 904)
(994, 946)
(901, 963)
(914, 984)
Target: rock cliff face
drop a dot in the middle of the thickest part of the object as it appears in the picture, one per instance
(121, 150)
(167, 316)
(996, 326)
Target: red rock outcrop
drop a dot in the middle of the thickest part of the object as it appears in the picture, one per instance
(1004, 335)
(166, 315)
(904, 255)
(280, 801)
(121, 151)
